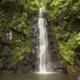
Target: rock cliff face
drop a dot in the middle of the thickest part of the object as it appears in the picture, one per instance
(10, 61)
(35, 44)
(30, 61)
(24, 65)
(52, 46)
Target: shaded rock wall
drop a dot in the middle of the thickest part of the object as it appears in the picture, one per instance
(53, 47)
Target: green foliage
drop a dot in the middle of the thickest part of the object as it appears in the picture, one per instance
(64, 17)
(18, 17)
(67, 50)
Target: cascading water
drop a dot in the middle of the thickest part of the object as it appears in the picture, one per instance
(43, 42)
(47, 61)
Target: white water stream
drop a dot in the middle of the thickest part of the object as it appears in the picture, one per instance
(43, 42)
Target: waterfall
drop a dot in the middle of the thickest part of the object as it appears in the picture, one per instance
(46, 59)
(43, 42)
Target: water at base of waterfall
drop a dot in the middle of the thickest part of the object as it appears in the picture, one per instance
(34, 76)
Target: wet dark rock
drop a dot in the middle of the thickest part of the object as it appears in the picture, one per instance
(53, 47)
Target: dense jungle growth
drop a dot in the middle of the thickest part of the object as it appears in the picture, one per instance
(16, 20)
